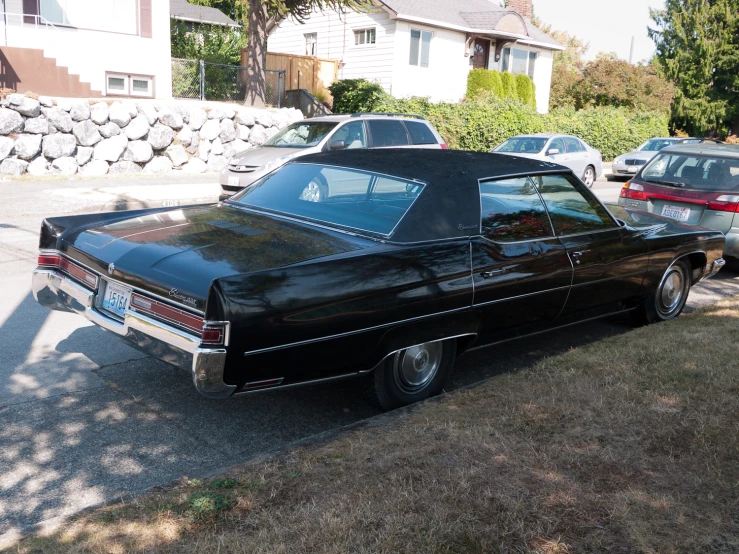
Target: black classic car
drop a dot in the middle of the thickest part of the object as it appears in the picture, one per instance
(405, 260)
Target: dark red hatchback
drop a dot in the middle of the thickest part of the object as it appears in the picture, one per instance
(697, 184)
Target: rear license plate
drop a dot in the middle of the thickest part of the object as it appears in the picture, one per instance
(233, 181)
(675, 212)
(116, 299)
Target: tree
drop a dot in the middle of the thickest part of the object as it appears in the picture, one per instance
(698, 50)
(567, 66)
(263, 15)
(610, 81)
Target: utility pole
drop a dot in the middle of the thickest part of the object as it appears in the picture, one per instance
(631, 52)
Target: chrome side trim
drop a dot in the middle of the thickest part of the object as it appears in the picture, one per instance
(520, 296)
(298, 385)
(350, 333)
(548, 329)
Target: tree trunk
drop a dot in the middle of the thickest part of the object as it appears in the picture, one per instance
(256, 55)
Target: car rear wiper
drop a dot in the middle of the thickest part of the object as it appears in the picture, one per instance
(668, 183)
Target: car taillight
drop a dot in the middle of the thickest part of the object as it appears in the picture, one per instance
(210, 333)
(633, 191)
(70, 268)
(725, 203)
(443, 146)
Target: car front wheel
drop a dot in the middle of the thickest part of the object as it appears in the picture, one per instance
(668, 301)
(411, 375)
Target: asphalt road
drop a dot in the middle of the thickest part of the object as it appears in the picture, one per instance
(84, 419)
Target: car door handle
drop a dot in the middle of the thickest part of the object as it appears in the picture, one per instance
(576, 255)
(494, 272)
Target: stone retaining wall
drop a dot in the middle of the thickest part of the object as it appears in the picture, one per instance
(47, 136)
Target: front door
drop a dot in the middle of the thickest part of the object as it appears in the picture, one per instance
(609, 264)
(481, 53)
(521, 272)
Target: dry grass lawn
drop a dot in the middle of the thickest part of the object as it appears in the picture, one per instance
(626, 445)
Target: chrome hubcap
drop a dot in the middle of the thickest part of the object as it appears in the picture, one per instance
(415, 367)
(672, 292)
(589, 176)
(311, 193)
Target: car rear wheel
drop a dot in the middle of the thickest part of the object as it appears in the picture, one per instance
(589, 176)
(668, 301)
(410, 375)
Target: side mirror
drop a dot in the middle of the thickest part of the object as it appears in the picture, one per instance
(338, 145)
(552, 151)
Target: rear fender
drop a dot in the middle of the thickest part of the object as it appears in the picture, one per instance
(462, 326)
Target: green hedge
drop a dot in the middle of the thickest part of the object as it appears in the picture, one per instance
(356, 95)
(482, 125)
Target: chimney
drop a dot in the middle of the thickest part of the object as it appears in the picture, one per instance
(524, 7)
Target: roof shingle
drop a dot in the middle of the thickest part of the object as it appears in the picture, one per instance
(184, 11)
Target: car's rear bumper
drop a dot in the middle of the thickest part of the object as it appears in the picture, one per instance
(56, 291)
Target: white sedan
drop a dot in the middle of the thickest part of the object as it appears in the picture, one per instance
(572, 152)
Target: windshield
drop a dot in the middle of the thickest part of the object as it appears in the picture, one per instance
(301, 135)
(693, 172)
(655, 145)
(334, 196)
(524, 145)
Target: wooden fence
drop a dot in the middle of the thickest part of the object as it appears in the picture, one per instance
(308, 72)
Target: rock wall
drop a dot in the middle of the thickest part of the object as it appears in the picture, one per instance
(47, 136)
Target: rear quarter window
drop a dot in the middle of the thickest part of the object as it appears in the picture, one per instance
(387, 133)
(420, 133)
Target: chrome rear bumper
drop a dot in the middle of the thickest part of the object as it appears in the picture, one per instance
(715, 268)
(56, 291)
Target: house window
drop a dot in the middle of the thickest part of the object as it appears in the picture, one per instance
(420, 47)
(54, 11)
(364, 36)
(518, 61)
(129, 85)
(311, 44)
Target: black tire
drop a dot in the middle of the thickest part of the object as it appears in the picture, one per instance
(668, 301)
(589, 175)
(389, 386)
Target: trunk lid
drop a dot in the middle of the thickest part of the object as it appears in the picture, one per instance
(176, 254)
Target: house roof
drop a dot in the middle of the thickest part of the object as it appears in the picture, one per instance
(182, 10)
(470, 16)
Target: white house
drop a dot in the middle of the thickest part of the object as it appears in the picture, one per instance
(86, 48)
(425, 47)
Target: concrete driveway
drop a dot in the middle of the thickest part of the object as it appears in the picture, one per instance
(84, 419)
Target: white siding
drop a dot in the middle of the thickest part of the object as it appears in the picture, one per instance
(445, 79)
(90, 53)
(335, 34)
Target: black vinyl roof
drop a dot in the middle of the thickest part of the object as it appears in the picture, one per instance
(449, 206)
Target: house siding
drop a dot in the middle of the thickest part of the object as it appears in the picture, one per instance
(92, 46)
(446, 77)
(335, 36)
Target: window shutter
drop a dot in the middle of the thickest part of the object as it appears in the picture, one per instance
(30, 8)
(145, 18)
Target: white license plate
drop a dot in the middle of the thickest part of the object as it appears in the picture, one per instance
(632, 168)
(116, 299)
(675, 212)
(233, 181)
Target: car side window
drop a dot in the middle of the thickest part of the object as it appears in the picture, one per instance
(571, 211)
(573, 145)
(387, 133)
(512, 211)
(559, 144)
(352, 134)
(420, 133)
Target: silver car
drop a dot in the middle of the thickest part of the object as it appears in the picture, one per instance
(572, 152)
(334, 132)
(627, 165)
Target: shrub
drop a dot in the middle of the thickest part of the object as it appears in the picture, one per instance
(482, 125)
(479, 80)
(508, 82)
(525, 90)
(356, 95)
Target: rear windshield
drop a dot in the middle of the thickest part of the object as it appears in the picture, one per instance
(655, 145)
(693, 172)
(334, 196)
(524, 145)
(301, 135)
